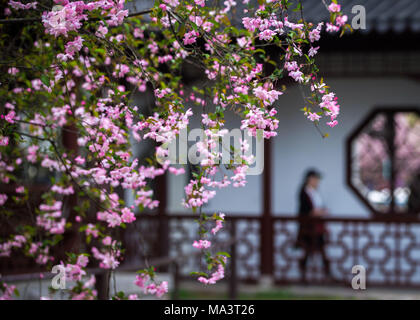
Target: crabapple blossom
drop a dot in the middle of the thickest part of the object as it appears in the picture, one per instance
(202, 244)
(69, 112)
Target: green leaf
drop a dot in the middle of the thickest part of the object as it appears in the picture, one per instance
(45, 80)
(223, 253)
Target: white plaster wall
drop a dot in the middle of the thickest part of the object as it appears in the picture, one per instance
(245, 200)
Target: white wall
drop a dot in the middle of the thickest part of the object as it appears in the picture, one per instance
(299, 146)
(245, 200)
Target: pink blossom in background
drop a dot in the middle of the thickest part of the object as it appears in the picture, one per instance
(334, 7)
(202, 244)
(219, 223)
(3, 199)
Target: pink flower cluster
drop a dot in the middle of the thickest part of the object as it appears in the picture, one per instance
(8, 291)
(3, 199)
(219, 223)
(331, 107)
(11, 117)
(40, 252)
(268, 27)
(202, 244)
(61, 190)
(16, 242)
(75, 272)
(115, 219)
(70, 16)
(51, 218)
(71, 48)
(267, 96)
(143, 281)
(215, 276)
(108, 259)
(260, 119)
(19, 5)
(340, 19)
(190, 37)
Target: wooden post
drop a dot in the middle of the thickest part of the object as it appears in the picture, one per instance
(163, 228)
(71, 240)
(233, 281)
(102, 284)
(390, 140)
(176, 278)
(266, 228)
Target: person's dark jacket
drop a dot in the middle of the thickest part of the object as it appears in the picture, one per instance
(311, 233)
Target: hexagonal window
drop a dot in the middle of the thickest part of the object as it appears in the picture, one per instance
(384, 161)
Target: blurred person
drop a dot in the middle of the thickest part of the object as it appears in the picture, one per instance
(312, 235)
(413, 203)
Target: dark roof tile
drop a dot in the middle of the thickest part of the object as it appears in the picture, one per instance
(381, 15)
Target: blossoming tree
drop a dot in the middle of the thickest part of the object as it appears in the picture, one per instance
(70, 70)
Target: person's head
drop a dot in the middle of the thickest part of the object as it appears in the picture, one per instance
(312, 178)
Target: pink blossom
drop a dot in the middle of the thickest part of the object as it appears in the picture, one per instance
(313, 116)
(141, 280)
(215, 276)
(8, 291)
(313, 51)
(315, 34)
(60, 22)
(341, 20)
(102, 31)
(266, 35)
(332, 28)
(332, 123)
(13, 71)
(108, 260)
(268, 97)
(113, 220)
(219, 223)
(74, 46)
(190, 37)
(127, 215)
(18, 5)
(32, 153)
(11, 116)
(161, 289)
(79, 160)
(4, 141)
(172, 3)
(202, 244)
(334, 7)
(107, 241)
(251, 23)
(82, 260)
(176, 171)
(3, 199)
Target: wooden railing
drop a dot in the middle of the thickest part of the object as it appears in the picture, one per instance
(388, 248)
